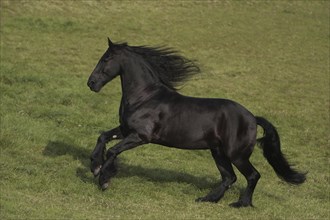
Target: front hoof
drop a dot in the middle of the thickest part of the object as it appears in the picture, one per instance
(96, 166)
(105, 186)
(104, 181)
(97, 171)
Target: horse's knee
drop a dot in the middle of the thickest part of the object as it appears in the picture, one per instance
(103, 138)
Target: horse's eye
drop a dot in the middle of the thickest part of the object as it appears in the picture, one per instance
(107, 58)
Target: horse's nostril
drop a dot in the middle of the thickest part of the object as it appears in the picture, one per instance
(90, 83)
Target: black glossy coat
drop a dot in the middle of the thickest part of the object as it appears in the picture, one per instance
(152, 111)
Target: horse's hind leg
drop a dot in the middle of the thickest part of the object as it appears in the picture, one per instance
(97, 157)
(227, 174)
(252, 176)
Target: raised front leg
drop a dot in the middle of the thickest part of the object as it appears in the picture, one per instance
(97, 157)
(131, 141)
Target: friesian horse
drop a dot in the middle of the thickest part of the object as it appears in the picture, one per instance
(152, 111)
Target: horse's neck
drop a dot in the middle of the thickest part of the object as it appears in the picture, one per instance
(137, 83)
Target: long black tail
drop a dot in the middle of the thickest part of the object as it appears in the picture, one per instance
(271, 146)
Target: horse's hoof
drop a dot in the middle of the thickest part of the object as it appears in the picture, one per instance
(200, 199)
(97, 171)
(206, 199)
(240, 204)
(105, 186)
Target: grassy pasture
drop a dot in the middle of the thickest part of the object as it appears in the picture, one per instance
(271, 56)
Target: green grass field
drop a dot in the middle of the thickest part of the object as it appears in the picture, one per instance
(271, 56)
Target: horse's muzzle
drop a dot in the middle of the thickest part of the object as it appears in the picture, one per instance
(93, 85)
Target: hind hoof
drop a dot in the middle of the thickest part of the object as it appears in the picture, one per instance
(240, 204)
(207, 199)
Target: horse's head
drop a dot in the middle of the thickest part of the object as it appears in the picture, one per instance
(107, 69)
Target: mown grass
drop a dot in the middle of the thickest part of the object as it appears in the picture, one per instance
(273, 57)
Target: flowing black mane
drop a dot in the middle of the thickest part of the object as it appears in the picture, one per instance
(171, 68)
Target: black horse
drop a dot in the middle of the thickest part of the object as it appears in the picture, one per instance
(152, 111)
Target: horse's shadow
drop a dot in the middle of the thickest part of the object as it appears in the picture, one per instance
(58, 148)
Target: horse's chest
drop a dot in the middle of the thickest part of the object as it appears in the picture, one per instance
(144, 122)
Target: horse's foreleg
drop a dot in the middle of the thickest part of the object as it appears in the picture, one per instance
(108, 169)
(97, 157)
(227, 174)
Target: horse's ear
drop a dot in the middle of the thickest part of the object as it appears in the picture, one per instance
(109, 42)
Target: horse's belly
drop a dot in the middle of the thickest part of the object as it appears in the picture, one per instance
(192, 145)
(187, 137)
